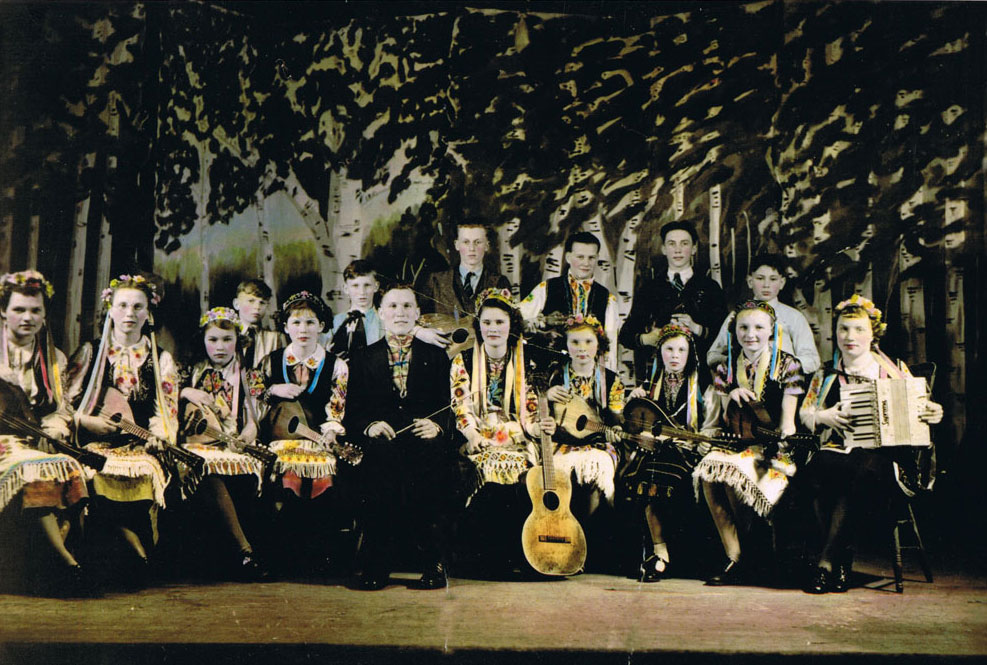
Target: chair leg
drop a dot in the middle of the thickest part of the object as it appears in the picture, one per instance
(899, 586)
(922, 558)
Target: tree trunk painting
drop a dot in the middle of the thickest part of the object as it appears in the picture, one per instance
(77, 268)
(7, 230)
(510, 256)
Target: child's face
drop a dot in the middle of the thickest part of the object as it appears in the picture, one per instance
(220, 345)
(582, 344)
(675, 353)
(582, 259)
(753, 330)
(250, 307)
(361, 290)
(766, 283)
(303, 327)
(129, 310)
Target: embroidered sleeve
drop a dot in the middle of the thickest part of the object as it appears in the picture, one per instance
(808, 411)
(615, 400)
(336, 408)
(164, 423)
(74, 378)
(790, 375)
(56, 423)
(462, 400)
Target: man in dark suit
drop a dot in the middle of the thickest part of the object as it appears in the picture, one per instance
(454, 291)
(398, 389)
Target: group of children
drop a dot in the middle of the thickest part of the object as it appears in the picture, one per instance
(363, 423)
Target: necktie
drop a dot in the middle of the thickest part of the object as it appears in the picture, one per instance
(250, 347)
(359, 338)
(677, 282)
(468, 288)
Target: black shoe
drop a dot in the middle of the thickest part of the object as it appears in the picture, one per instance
(839, 582)
(251, 569)
(434, 577)
(819, 582)
(733, 575)
(649, 569)
(372, 581)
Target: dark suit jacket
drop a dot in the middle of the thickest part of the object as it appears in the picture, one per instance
(373, 396)
(443, 291)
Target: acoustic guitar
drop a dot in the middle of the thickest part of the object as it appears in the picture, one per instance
(460, 330)
(552, 539)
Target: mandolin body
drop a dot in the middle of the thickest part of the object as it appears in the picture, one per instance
(552, 539)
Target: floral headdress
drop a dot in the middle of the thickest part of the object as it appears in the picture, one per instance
(856, 303)
(503, 295)
(587, 321)
(138, 282)
(673, 330)
(31, 279)
(222, 314)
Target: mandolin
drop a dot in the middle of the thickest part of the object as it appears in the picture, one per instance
(115, 412)
(203, 425)
(341, 448)
(14, 401)
(552, 539)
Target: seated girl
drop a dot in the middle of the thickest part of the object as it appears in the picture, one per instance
(50, 487)
(495, 410)
(221, 395)
(128, 374)
(761, 383)
(678, 389)
(848, 481)
(581, 384)
(306, 387)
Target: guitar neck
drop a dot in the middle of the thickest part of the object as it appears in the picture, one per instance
(547, 452)
(126, 426)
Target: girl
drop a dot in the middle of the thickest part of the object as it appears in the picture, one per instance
(495, 410)
(306, 382)
(30, 365)
(221, 387)
(762, 375)
(845, 479)
(583, 378)
(131, 487)
(677, 387)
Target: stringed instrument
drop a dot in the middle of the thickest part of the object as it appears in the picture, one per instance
(342, 449)
(460, 330)
(203, 425)
(552, 539)
(116, 412)
(16, 417)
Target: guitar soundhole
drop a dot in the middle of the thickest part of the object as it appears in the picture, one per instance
(550, 500)
(581, 423)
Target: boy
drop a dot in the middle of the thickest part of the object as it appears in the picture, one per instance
(360, 326)
(251, 301)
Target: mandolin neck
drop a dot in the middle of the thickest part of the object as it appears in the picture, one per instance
(547, 454)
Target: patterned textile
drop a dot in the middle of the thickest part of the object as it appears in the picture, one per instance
(47, 480)
(399, 348)
(790, 375)
(759, 483)
(298, 459)
(130, 474)
(580, 294)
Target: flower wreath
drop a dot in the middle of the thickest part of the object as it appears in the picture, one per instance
(27, 278)
(493, 293)
(587, 321)
(873, 313)
(138, 282)
(222, 314)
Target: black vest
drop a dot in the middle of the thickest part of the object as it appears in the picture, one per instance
(558, 298)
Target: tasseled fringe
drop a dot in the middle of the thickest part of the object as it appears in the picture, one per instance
(36, 471)
(221, 462)
(718, 471)
(592, 466)
(136, 464)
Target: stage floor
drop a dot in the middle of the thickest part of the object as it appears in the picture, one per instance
(587, 618)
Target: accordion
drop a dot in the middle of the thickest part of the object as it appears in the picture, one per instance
(885, 412)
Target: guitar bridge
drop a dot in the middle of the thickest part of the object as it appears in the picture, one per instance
(554, 539)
